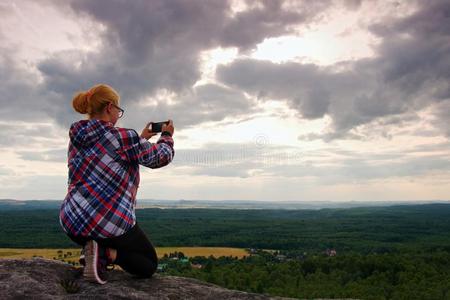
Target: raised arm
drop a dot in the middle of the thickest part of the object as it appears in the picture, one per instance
(137, 149)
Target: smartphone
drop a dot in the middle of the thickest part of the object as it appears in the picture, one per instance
(157, 126)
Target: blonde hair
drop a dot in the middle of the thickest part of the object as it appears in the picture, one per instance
(94, 100)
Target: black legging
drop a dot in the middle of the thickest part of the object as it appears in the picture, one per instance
(135, 253)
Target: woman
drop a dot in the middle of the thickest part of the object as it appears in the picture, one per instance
(98, 211)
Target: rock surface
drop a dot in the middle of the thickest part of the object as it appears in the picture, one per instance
(39, 278)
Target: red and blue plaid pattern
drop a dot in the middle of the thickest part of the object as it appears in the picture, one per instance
(103, 163)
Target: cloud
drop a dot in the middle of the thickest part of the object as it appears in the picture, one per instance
(155, 46)
(328, 166)
(267, 18)
(6, 9)
(34, 187)
(409, 72)
(151, 52)
(442, 117)
(20, 94)
(363, 170)
(29, 135)
(203, 103)
(5, 171)
(352, 4)
(360, 167)
(234, 159)
(149, 46)
(350, 97)
(54, 155)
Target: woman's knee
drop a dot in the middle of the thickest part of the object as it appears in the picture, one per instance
(136, 263)
(147, 273)
(141, 268)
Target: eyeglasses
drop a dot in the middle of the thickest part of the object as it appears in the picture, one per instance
(121, 111)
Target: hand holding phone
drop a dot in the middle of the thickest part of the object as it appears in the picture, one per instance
(153, 128)
(168, 127)
(157, 126)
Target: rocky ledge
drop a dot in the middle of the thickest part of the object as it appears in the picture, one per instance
(40, 278)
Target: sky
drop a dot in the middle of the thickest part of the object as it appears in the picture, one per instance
(271, 100)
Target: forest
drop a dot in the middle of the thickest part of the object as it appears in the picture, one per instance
(392, 252)
(361, 230)
(422, 275)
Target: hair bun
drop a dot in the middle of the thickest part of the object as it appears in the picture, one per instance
(80, 103)
(94, 100)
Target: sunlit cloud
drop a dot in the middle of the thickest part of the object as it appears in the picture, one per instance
(271, 100)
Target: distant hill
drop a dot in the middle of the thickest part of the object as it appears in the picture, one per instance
(11, 204)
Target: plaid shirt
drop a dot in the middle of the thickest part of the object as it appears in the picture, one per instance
(103, 163)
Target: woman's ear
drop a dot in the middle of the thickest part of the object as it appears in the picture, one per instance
(109, 107)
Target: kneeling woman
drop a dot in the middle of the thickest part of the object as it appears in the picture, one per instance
(98, 211)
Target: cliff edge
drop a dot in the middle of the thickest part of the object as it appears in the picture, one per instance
(40, 278)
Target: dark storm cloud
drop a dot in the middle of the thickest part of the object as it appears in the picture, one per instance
(20, 96)
(352, 4)
(203, 103)
(152, 45)
(271, 19)
(350, 97)
(410, 71)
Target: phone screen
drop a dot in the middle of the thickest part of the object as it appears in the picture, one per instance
(157, 126)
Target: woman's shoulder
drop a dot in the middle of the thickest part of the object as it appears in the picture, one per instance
(126, 136)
